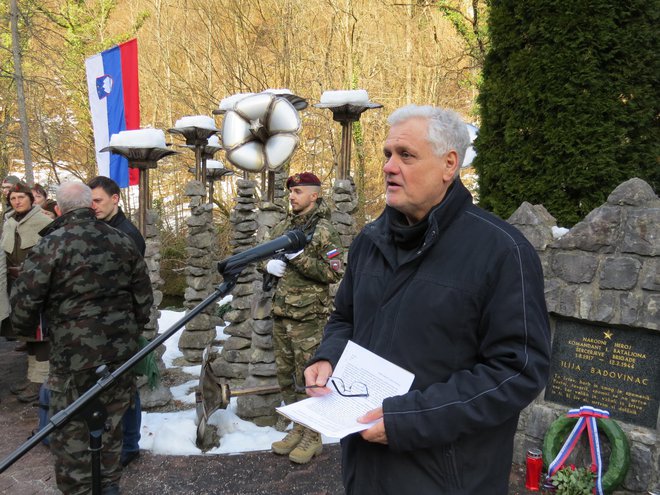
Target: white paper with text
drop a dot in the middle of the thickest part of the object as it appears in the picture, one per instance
(336, 416)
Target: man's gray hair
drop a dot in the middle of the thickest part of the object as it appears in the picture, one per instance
(73, 195)
(446, 130)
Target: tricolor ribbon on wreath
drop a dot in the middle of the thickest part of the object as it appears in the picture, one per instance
(586, 418)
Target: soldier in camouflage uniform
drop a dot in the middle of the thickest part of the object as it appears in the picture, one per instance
(92, 284)
(302, 303)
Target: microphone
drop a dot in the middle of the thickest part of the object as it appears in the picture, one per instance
(291, 242)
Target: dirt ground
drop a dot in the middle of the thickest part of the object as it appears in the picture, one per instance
(253, 473)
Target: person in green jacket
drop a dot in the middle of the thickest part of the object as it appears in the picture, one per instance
(302, 302)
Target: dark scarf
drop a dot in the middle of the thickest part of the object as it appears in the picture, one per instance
(408, 238)
(20, 216)
(405, 236)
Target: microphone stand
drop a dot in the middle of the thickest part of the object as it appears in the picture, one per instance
(92, 408)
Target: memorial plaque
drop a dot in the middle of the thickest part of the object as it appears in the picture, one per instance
(612, 368)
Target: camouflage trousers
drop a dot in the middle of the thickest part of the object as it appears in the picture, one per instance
(295, 343)
(70, 443)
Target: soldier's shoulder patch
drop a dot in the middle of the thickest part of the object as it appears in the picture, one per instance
(333, 253)
(335, 265)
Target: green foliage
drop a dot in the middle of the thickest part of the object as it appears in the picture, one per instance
(470, 25)
(569, 104)
(173, 262)
(574, 481)
(83, 25)
(221, 310)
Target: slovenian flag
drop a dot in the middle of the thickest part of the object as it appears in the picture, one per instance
(332, 253)
(114, 100)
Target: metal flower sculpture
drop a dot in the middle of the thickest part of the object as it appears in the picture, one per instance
(260, 132)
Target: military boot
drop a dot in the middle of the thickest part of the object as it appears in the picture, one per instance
(30, 393)
(18, 387)
(309, 446)
(289, 442)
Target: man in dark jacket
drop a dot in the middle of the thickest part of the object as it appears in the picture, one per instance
(93, 287)
(452, 294)
(105, 202)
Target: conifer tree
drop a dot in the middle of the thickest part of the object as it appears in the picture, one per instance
(569, 104)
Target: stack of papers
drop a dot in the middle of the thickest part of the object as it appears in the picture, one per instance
(336, 416)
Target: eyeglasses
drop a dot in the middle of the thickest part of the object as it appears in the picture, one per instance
(355, 389)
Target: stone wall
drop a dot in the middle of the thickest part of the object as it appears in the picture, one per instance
(606, 269)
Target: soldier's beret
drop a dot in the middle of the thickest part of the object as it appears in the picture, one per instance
(304, 179)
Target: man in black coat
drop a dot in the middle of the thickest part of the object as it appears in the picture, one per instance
(452, 294)
(105, 202)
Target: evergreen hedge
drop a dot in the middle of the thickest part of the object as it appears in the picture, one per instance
(569, 104)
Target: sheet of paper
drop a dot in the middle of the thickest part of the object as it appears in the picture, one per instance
(336, 416)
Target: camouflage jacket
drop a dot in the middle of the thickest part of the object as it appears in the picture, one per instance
(302, 293)
(93, 287)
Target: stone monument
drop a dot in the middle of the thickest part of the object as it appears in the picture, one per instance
(602, 284)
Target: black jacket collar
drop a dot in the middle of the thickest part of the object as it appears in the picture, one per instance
(457, 199)
(117, 219)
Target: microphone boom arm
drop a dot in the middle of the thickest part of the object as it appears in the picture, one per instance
(107, 379)
(229, 268)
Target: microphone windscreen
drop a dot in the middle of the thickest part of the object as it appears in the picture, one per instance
(298, 239)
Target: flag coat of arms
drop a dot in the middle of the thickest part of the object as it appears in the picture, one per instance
(114, 100)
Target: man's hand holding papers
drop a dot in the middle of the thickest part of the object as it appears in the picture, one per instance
(335, 414)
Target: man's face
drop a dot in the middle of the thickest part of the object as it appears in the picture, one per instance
(302, 198)
(104, 205)
(6, 186)
(415, 178)
(20, 202)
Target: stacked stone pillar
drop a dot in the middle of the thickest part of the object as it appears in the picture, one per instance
(345, 200)
(262, 371)
(160, 395)
(248, 357)
(200, 270)
(233, 362)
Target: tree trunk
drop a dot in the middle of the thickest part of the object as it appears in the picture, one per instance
(20, 94)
